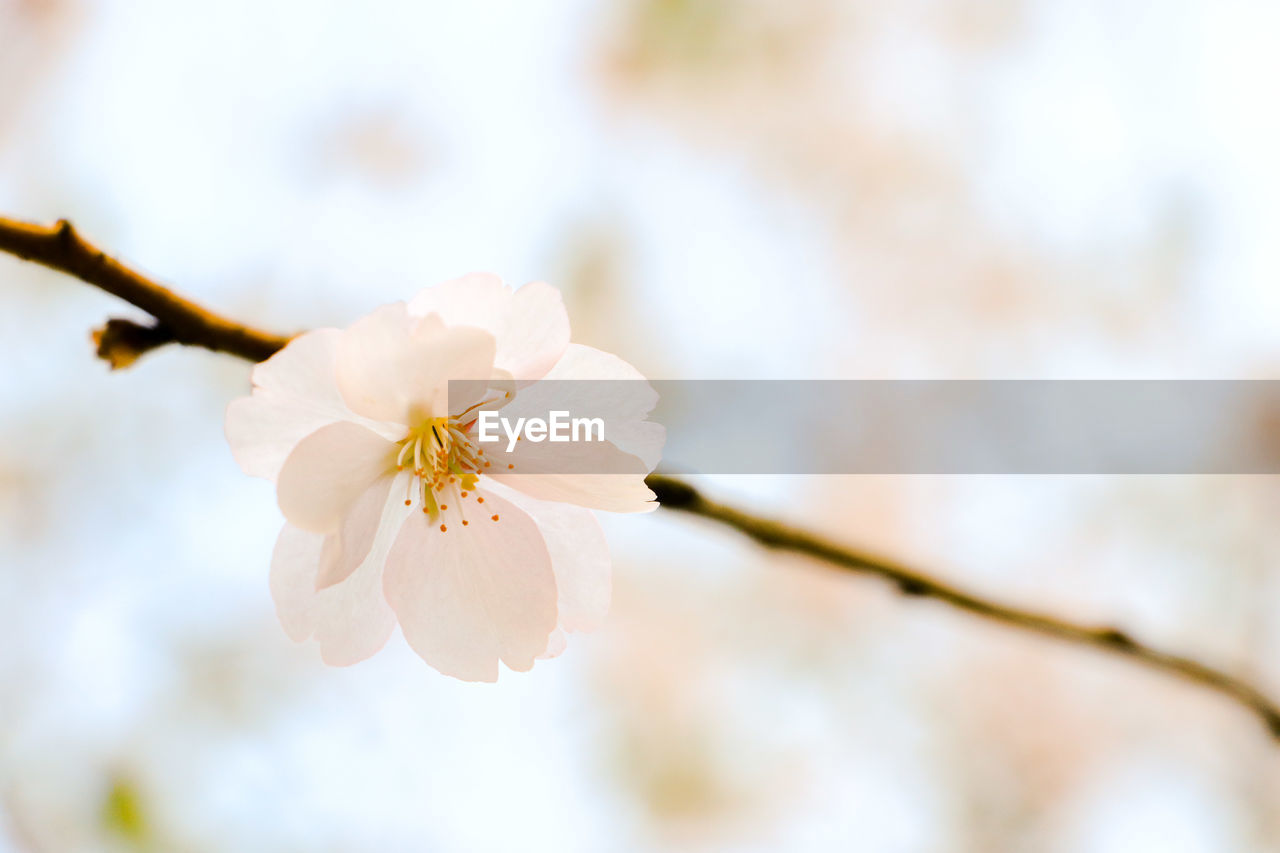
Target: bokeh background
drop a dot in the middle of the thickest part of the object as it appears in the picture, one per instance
(722, 189)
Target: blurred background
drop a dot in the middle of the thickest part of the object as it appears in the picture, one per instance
(722, 189)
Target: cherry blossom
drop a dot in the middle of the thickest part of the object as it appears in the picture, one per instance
(393, 510)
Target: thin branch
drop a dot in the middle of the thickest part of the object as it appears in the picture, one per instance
(181, 321)
(177, 319)
(679, 495)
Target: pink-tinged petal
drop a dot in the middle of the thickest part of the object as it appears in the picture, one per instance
(473, 594)
(346, 549)
(579, 558)
(295, 393)
(475, 299)
(368, 358)
(396, 368)
(326, 473)
(293, 571)
(530, 324)
(610, 492)
(595, 474)
(556, 645)
(614, 390)
(561, 472)
(351, 620)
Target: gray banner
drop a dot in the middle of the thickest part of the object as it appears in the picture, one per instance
(924, 427)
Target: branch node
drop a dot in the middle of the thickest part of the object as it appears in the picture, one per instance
(1117, 638)
(121, 342)
(60, 247)
(913, 587)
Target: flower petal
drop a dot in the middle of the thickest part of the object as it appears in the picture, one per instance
(295, 393)
(618, 391)
(556, 645)
(579, 558)
(326, 473)
(351, 620)
(396, 368)
(378, 507)
(529, 324)
(476, 594)
(553, 473)
(607, 474)
(293, 569)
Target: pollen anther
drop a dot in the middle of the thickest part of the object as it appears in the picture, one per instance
(443, 456)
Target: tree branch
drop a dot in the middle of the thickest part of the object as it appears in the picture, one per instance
(679, 495)
(181, 321)
(121, 341)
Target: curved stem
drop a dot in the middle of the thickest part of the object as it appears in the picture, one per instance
(180, 321)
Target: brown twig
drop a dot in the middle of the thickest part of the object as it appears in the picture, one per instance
(679, 495)
(184, 322)
(179, 320)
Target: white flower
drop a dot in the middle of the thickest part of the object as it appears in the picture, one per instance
(394, 513)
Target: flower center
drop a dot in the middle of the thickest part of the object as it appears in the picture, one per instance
(443, 458)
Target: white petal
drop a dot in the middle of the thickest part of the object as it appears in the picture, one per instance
(396, 368)
(326, 473)
(606, 475)
(556, 645)
(530, 324)
(579, 558)
(351, 619)
(476, 594)
(295, 393)
(554, 472)
(618, 391)
(346, 549)
(293, 571)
